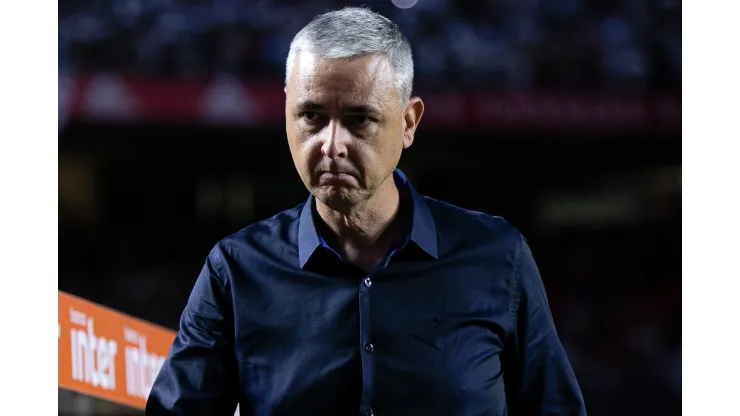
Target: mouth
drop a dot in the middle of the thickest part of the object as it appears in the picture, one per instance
(336, 176)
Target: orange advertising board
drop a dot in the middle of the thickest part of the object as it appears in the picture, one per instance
(107, 354)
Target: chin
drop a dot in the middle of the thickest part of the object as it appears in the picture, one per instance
(336, 198)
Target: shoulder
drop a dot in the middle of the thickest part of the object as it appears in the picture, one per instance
(449, 215)
(266, 234)
(460, 226)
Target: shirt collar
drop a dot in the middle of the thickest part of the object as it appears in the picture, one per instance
(423, 232)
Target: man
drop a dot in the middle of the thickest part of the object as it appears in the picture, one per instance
(369, 298)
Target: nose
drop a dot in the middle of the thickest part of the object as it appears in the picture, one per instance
(334, 141)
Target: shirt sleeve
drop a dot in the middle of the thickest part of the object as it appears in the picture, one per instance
(538, 377)
(199, 376)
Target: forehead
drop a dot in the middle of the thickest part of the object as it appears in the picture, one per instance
(366, 78)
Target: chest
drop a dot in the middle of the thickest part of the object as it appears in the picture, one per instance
(404, 332)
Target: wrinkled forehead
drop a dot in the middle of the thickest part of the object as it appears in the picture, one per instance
(366, 78)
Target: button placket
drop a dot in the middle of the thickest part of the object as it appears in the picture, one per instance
(366, 346)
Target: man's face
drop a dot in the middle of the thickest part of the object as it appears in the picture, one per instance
(345, 128)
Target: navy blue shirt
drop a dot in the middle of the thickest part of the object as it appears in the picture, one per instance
(454, 321)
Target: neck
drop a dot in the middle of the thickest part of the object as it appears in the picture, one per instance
(365, 233)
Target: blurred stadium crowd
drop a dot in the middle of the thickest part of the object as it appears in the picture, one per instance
(634, 44)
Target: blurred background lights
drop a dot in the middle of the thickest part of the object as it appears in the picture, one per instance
(404, 4)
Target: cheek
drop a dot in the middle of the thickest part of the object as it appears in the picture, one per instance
(298, 139)
(298, 150)
(391, 142)
(380, 154)
(391, 151)
(307, 151)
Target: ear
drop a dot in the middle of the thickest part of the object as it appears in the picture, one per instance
(411, 116)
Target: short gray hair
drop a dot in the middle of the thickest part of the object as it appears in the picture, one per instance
(354, 32)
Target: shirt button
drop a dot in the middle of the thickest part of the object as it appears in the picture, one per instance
(369, 347)
(369, 413)
(368, 282)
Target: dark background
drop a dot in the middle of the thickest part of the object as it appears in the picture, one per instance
(142, 200)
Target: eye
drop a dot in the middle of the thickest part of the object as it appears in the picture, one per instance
(358, 120)
(311, 117)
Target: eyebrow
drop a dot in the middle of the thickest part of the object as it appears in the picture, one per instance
(304, 106)
(363, 109)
